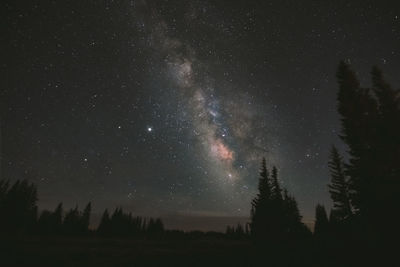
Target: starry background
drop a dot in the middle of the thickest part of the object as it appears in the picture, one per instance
(167, 107)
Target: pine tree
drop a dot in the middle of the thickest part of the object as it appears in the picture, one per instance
(229, 231)
(291, 220)
(389, 132)
(19, 207)
(239, 232)
(274, 218)
(359, 118)
(45, 223)
(264, 186)
(4, 187)
(321, 227)
(85, 220)
(57, 218)
(387, 158)
(338, 188)
(72, 222)
(276, 190)
(370, 127)
(261, 204)
(104, 227)
(158, 226)
(388, 98)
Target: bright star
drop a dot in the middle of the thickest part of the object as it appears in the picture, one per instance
(149, 129)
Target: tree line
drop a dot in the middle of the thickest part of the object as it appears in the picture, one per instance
(18, 206)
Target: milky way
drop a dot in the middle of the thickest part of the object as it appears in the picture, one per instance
(216, 127)
(167, 107)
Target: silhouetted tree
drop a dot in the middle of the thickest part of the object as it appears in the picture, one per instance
(370, 120)
(229, 231)
(339, 188)
(387, 158)
(72, 222)
(155, 226)
(45, 223)
(4, 186)
(261, 204)
(247, 229)
(126, 225)
(85, 219)
(58, 218)
(18, 207)
(50, 222)
(276, 191)
(321, 226)
(358, 112)
(105, 224)
(137, 225)
(239, 232)
(291, 221)
(274, 218)
(236, 233)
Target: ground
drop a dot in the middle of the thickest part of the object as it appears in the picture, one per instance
(90, 251)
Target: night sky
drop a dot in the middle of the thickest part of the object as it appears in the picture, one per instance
(167, 107)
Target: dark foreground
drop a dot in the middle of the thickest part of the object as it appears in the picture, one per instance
(92, 251)
(52, 251)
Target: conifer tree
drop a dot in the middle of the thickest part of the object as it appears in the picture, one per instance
(291, 220)
(387, 158)
(359, 118)
(276, 190)
(45, 223)
(239, 231)
(104, 227)
(338, 188)
(72, 222)
(321, 227)
(57, 218)
(19, 207)
(370, 128)
(85, 220)
(261, 204)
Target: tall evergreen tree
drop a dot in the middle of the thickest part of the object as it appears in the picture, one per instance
(276, 190)
(19, 208)
(104, 227)
(85, 220)
(261, 204)
(339, 188)
(389, 132)
(291, 221)
(57, 215)
(388, 98)
(370, 120)
(359, 115)
(274, 218)
(72, 222)
(321, 227)
(45, 223)
(387, 158)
